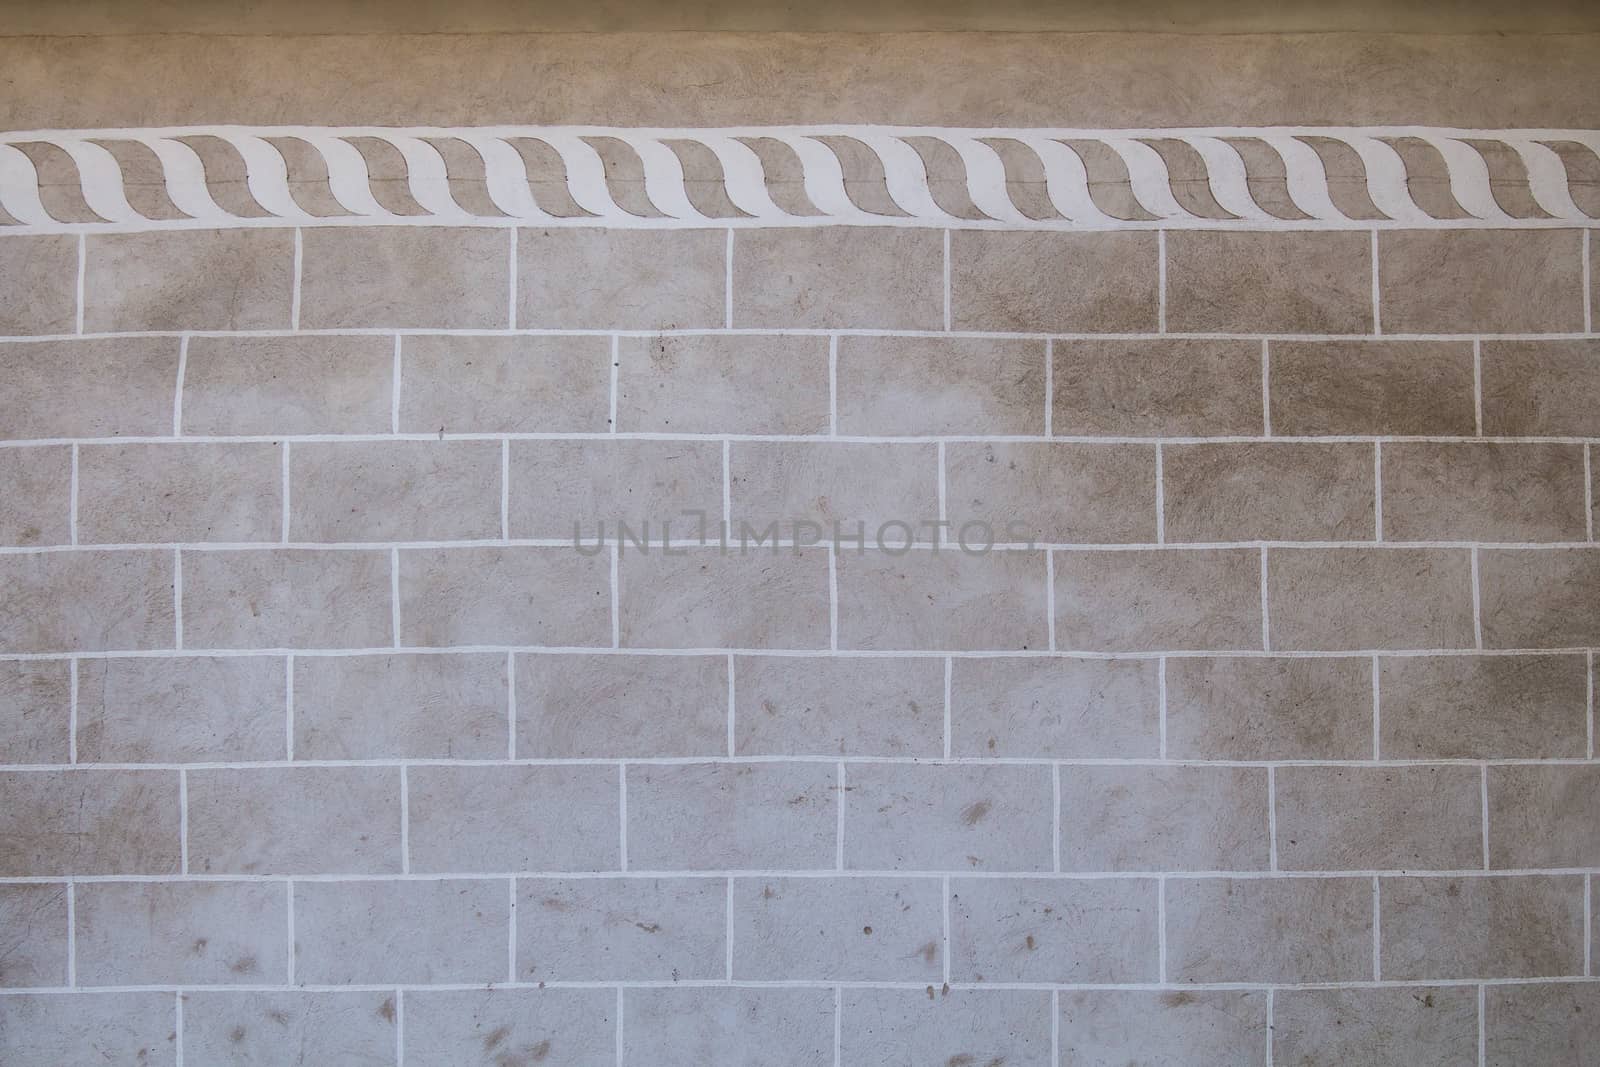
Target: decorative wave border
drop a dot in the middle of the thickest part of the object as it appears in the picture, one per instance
(1245, 178)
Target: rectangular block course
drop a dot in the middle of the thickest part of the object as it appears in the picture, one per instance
(950, 817)
(286, 385)
(1357, 598)
(51, 1028)
(1483, 707)
(837, 929)
(1102, 930)
(581, 489)
(1482, 927)
(477, 384)
(86, 601)
(888, 490)
(1050, 493)
(504, 596)
(1164, 819)
(701, 598)
(1409, 388)
(756, 1027)
(1269, 930)
(721, 816)
(1053, 282)
(451, 706)
(87, 822)
(240, 279)
(1481, 281)
(1269, 708)
(183, 710)
(1123, 1026)
(1540, 598)
(1544, 816)
(359, 933)
(485, 1026)
(947, 599)
(1156, 387)
(306, 820)
(286, 598)
(918, 386)
(1009, 1026)
(502, 818)
(1388, 1027)
(36, 484)
(181, 933)
(254, 1029)
(1268, 282)
(1379, 818)
(737, 383)
(33, 949)
(621, 279)
(838, 278)
(814, 706)
(1268, 492)
(1158, 600)
(347, 491)
(608, 706)
(38, 277)
(1483, 492)
(98, 387)
(1065, 708)
(35, 711)
(621, 929)
(1538, 388)
(147, 493)
(416, 277)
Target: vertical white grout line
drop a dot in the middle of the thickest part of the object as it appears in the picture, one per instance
(394, 593)
(1050, 596)
(405, 821)
(511, 705)
(945, 883)
(838, 830)
(947, 281)
(177, 598)
(83, 264)
(1055, 1027)
(621, 1049)
(1161, 690)
(1588, 925)
(728, 284)
(177, 1028)
(288, 887)
(1271, 1022)
(1161, 928)
(283, 491)
(1377, 708)
(511, 288)
(1266, 388)
(833, 385)
(1588, 490)
(1590, 656)
(622, 814)
(939, 530)
(1477, 386)
(1377, 490)
(72, 933)
(72, 711)
(183, 820)
(177, 392)
(616, 365)
(1049, 385)
(1482, 1044)
(511, 941)
(397, 380)
(72, 503)
(727, 946)
(288, 707)
(833, 596)
(1272, 817)
(1377, 930)
(1161, 500)
(949, 741)
(1483, 790)
(1055, 814)
(400, 1028)
(616, 595)
(731, 732)
(838, 1024)
(505, 488)
(1477, 603)
(1377, 305)
(1266, 628)
(299, 273)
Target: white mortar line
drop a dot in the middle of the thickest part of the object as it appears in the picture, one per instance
(1377, 709)
(396, 383)
(1266, 623)
(947, 313)
(288, 707)
(72, 502)
(177, 598)
(1272, 818)
(72, 933)
(1477, 386)
(833, 385)
(511, 275)
(1271, 1023)
(400, 1027)
(616, 597)
(838, 1025)
(1266, 389)
(1481, 1042)
(283, 491)
(728, 284)
(1377, 304)
(1161, 281)
(511, 941)
(622, 814)
(1377, 930)
(177, 392)
(731, 743)
(1377, 490)
(1477, 603)
(72, 710)
(1588, 491)
(1589, 659)
(394, 593)
(949, 666)
(1161, 500)
(299, 279)
(511, 705)
(1588, 924)
(838, 830)
(1483, 792)
(183, 820)
(616, 364)
(83, 264)
(505, 489)
(405, 822)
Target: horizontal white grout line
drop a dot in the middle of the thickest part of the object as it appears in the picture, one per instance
(810, 874)
(819, 653)
(805, 983)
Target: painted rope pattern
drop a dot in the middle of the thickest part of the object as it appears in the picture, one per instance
(1252, 178)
